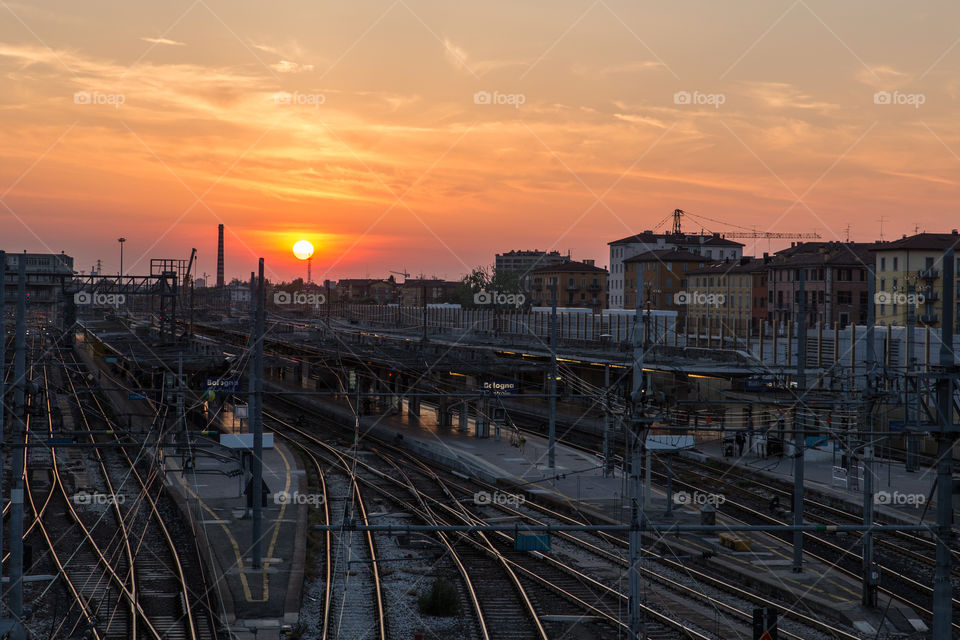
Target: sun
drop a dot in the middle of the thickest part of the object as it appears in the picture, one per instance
(303, 249)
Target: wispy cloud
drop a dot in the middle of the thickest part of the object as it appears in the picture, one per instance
(460, 60)
(286, 66)
(166, 41)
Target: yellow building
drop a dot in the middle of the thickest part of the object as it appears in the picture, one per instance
(909, 275)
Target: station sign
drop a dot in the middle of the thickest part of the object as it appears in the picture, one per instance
(226, 385)
(110, 360)
(136, 396)
(531, 543)
(499, 387)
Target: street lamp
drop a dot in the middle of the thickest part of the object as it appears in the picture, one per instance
(121, 241)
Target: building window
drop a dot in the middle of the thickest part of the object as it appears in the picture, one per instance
(895, 261)
(883, 264)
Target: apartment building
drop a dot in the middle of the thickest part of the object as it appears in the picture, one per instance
(367, 290)
(731, 294)
(711, 247)
(47, 276)
(579, 284)
(411, 293)
(909, 276)
(524, 262)
(665, 273)
(836, 283)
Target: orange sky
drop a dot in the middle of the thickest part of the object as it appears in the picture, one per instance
(358, 126)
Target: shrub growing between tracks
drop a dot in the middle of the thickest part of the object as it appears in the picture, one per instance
(442, 599)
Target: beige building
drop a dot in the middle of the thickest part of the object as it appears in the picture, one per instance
(909, 274)
(731, 294)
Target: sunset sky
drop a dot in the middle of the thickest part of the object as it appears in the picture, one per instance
(356, 125)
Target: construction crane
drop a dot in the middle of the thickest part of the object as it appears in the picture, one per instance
(401, 273)
(746, 233)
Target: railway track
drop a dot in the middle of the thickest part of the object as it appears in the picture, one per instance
(528, 573)
(911, 579)
(907, 589)
(98, 516)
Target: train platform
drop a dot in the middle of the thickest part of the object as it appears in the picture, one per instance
(212, 494)
(256, 602)
(908, 497)
(577, 481)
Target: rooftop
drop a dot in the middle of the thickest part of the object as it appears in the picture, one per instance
(684, 239)
(570, 266)
(668, 255)
(927, 241)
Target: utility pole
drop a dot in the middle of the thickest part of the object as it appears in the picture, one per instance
(257, 423)
(16, 484)
(798, 426)
(424, 307)
(910, 385)
(942, 588)
(607, 461)
(637, 432)
(552, 428)
(869, 590)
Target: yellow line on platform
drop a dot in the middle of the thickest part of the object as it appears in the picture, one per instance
(247, 593)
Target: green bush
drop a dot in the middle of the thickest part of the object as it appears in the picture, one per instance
(442, 599)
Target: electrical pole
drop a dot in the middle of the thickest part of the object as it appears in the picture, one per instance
(424, 307)
(16, 492)
(910, 385)
(607, 462)
(798, 426)
(552, 428)
(869, 591)
(942, 588)
(637, 432)
(257, 423)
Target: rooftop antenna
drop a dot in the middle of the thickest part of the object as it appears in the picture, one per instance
(847, 229)
(881, 220)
